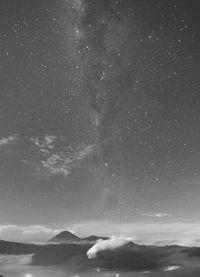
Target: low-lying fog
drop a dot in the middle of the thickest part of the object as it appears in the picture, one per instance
(18, 266)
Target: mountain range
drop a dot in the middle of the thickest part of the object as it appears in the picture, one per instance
(66, 249)
(68, 237)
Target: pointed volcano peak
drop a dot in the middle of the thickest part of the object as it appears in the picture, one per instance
(64, 237)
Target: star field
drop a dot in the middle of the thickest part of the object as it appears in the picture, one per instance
(99, 110)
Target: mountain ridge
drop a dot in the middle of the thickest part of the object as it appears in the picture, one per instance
(130, 256)
(67, 237)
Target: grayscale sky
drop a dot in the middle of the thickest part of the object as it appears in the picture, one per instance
(99, 115)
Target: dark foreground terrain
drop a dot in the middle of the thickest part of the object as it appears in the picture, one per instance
(128, 257)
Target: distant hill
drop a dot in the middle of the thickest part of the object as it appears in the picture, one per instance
(93, 238)
(64, 237)
(68, 237)
(16, 248)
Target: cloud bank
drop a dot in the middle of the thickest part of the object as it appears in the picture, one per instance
(152, 233)
(26, 233)
(181, 233)
(158, 215)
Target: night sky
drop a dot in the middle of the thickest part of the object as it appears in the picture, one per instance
(99, 112)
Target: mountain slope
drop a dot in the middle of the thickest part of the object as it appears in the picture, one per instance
(64, 237)
(16, 248)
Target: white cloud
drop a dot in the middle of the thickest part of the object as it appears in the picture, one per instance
(58, 164)
(46, 144)
(62, 163)
(63, 160)
(109, 244)
(181, 233)
(84, 152)
(27, 233)
(49, 140)
(158, 215)
(172, 267)
(5, 141)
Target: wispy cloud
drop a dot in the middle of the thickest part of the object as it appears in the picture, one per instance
(46, 144)
(29, 233)
(10, 140)
(156, 215)
(53, 155)
(79, 5)
(63, 161)
(181, 233)
(84, 151)
(58, 164)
